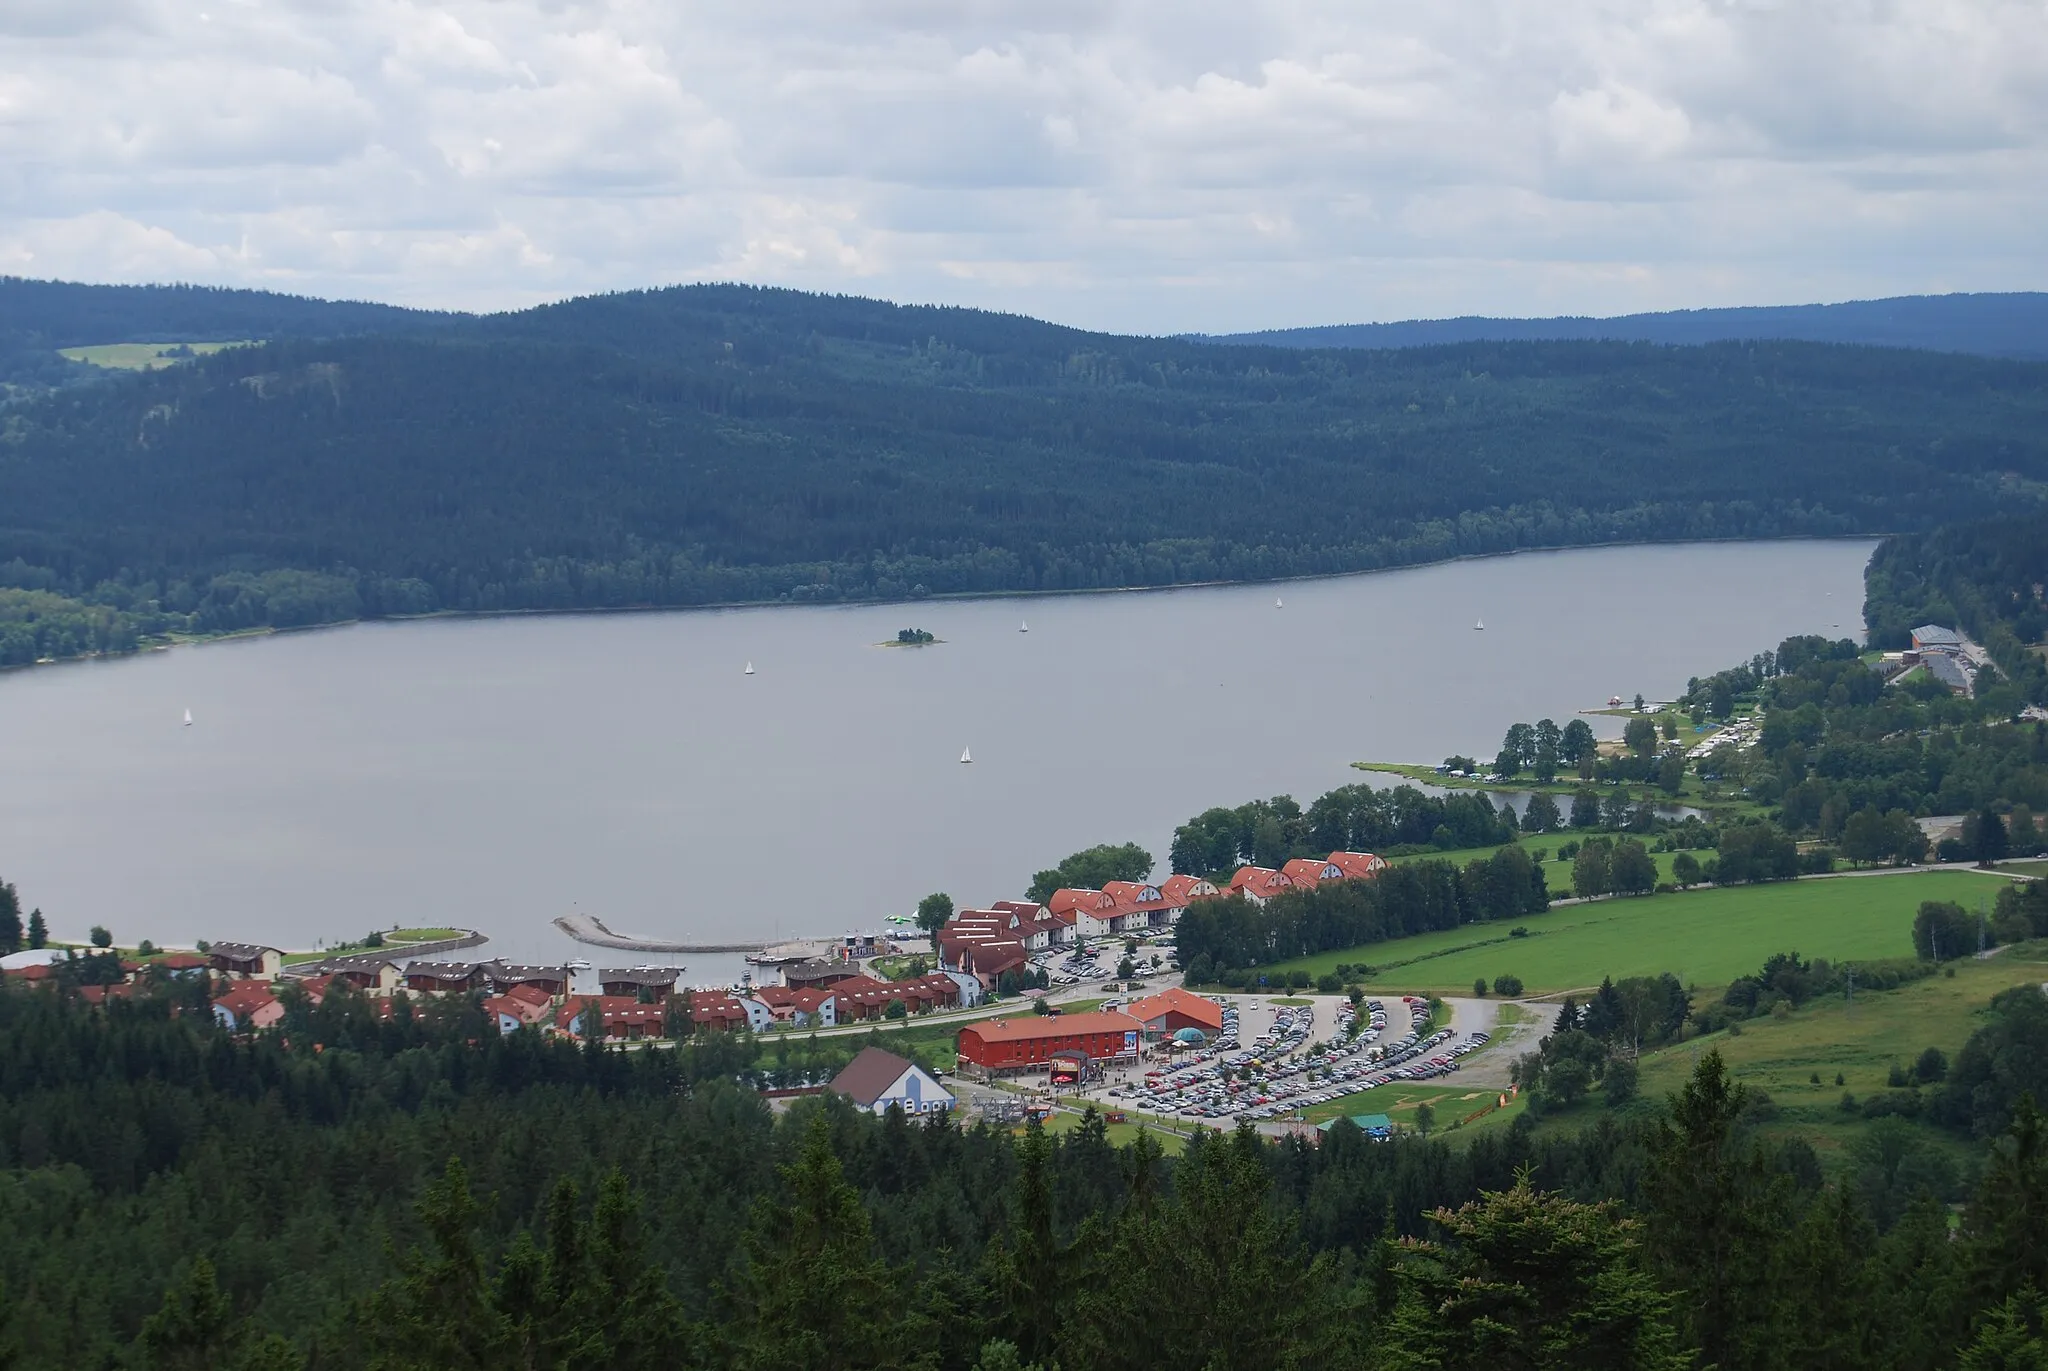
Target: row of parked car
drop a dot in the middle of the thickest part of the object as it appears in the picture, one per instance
(1213, 1083)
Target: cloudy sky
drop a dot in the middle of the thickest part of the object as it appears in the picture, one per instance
(1150, 167)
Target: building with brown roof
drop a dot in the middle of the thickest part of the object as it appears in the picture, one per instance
(721, 1011)
(502, 976)
(876, 1081)
(244, 961)
(818, 972)
(658, 981)
(444, 978)
(372, 974)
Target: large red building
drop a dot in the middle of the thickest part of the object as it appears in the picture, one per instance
(994, 1046)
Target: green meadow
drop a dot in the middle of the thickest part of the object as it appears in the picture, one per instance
(139, 356)
(1705, 936)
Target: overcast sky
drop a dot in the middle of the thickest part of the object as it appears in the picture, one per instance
(1176, 165)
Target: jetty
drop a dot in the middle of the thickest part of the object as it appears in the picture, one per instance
(588, 928)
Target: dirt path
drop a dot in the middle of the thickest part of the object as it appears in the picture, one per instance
(1490, 1067)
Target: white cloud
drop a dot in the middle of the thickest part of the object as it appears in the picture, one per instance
(1210, 164)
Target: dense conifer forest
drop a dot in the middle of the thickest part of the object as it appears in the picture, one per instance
(718, 444)
(353, 1191)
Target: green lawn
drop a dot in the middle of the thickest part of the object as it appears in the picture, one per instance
(138, 356)
(1120, 1134)
(423, 935)
(1705, 937)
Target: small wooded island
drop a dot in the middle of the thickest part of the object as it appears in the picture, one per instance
(912, 637)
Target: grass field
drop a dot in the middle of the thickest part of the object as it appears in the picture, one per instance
(1121, 1134)
(1704, 937)
(1557, 874)
(138, 356)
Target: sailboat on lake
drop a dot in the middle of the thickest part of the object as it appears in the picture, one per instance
(965, 755)
(749, 671)
(1024, 627)
(188, 718)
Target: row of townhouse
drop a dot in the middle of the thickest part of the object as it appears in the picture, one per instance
(854, 998)
(1262, 883)
(986, 943)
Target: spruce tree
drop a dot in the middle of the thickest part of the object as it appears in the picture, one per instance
(38, 931)
(10, 918)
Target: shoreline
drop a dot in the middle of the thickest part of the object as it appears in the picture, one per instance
(1422, 774)
(183, 639)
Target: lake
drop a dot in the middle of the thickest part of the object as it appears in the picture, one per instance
(494, 773)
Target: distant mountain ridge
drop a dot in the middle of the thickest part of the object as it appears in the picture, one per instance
(2009, 324)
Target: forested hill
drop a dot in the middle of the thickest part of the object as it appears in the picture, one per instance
(2013, 324)
(60, 314)
(713, 444)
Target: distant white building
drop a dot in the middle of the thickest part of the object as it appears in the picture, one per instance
(875, 1079)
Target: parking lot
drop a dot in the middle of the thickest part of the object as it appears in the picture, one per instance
(1274, 1058)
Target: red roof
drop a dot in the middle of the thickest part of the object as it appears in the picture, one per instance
(1182, 890)
(519, 1007)
(1067, 902)
(609, 1009)
(1311, 871)
(246, 998)
(529, 993)
(1358, 864)
(1130, 897)
(1183, 1002)
(32, 973)
(1031, 1027)
(182, 961)
(1259, 880)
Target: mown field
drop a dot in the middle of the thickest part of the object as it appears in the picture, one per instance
(139, 356)
(1705, 937)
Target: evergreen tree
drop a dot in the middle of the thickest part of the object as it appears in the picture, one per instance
(38, 931)
(813, 1296)
(1713, 1217)
(436, 1313)
(10, 919)
(1527, 1278)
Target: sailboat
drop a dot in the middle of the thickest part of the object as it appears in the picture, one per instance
(1479, 626)
(749, 671)
(965, 756)
(1024, 627)
(188, 718)
(1279, 603)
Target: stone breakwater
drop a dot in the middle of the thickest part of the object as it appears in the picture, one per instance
(588, 928)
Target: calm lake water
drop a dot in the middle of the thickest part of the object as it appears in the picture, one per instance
(495, 773)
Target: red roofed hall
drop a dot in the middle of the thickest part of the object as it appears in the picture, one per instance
(999, 1046)
(1172, 1010)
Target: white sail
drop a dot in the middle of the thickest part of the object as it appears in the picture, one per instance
(750, 669)
(965, 756)
(1279, 603)
(1480, 626)
(188, 718)
(1024, 627)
